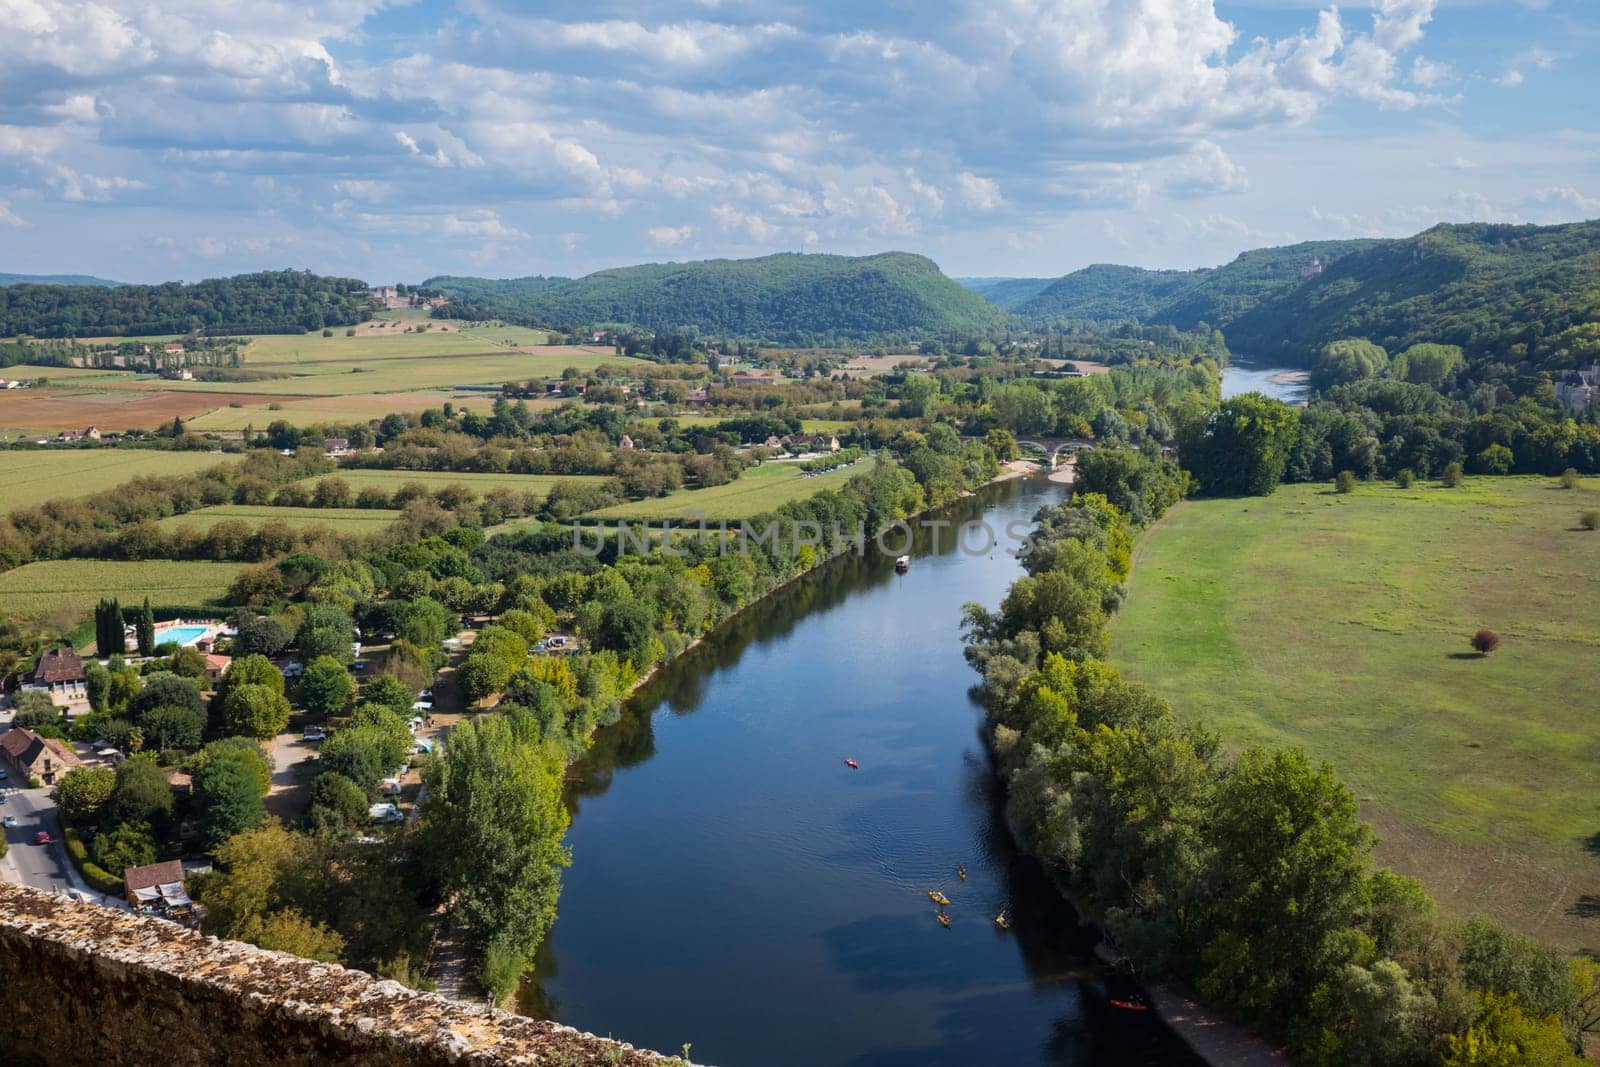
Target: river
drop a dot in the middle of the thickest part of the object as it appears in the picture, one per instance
(736, 886)
(1282, 383)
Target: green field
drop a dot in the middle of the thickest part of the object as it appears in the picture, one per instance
(52, 587)
(1340, 623)
(757, 490)
(32, 477)
(344, 520)
(389, 481)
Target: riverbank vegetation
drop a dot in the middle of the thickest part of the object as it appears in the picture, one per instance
(1248, 874)
(1341, 622)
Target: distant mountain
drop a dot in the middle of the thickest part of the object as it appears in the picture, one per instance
(1107, 293)
(286, 301)
(1484, 287)
(55, 279)
(1487, 288)
(788, 297)
(1006, 293)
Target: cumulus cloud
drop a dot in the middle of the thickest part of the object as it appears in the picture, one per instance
(751, 126)
(667, 236)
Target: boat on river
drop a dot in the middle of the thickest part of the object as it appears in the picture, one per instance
(944, 920)
(938, 898)
(902, 564)
(852, 764)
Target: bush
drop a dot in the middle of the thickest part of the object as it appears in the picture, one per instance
(1569, 478)
(98, 877)
(1450, 477)
(1404, 479)
(1346, 482)
(1485, 642)
(1589, 520)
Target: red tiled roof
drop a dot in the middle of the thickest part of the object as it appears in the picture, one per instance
(153, 875)
(59, 665)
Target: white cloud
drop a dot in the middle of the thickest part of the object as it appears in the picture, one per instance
(1516, 71)
(667, 236)
(9, 217)
(980, 194)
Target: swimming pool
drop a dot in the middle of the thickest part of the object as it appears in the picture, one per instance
(183, 635)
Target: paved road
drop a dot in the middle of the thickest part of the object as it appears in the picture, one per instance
(42, 866)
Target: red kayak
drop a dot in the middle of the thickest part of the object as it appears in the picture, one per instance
(1130, 1004)
(852, 764)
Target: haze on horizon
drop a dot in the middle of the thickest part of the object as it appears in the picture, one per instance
(393, 141)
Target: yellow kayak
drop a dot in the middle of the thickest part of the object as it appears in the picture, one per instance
(1001, 921)
(938, 898)
(944, 920)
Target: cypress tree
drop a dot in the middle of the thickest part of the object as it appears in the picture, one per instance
(147, 630)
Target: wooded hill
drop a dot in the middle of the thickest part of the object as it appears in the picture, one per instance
(54, 279)
(1488, 288)
(269, 302)
(787, 297)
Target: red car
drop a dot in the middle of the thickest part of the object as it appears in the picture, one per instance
(42, 837)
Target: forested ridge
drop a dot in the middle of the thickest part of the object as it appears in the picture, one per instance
(285, 301)
(1498, 291)
(787, 297)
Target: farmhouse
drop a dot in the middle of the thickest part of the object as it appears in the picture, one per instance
(336, 446)
(60, 674)
(27, 755)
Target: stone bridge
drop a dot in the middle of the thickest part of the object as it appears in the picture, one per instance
(1052, 447)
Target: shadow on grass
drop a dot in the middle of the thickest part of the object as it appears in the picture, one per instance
(1591, 843)
(1466, 655)
(1586, 907)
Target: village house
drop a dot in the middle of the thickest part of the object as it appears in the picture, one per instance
(626, 442)
(60, 674)
(699, 396)
(1580, 388)
(88, 434)
(216, 667)
(156, 888)
(336, 446)
(28, 756)
(756, 377)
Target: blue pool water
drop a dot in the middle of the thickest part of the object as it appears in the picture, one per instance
(183, 635)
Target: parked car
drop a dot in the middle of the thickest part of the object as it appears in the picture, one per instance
(2, 776)
(9, 821)
(315, 734)
(42, 837)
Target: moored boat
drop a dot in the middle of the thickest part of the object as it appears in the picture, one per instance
(902, 564)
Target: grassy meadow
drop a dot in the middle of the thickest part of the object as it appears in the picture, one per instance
(73, 586)
(33, 477)
(755, 491)
(1340, 623)
(343, 520)
(390, 480)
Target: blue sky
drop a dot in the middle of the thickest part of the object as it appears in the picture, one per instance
(153, 139)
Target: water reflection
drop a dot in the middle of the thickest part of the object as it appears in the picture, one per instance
(736, 886)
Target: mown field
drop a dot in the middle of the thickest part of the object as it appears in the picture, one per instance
(33, 477)
(1340, 623)
(74, 586)
(359, 407)
(344, 520)
(390, 480)
(755, 491)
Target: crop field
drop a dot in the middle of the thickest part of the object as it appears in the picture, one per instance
(755, 491)
(390, 480)
(484, 364)
(29, 478)
(316, 410)
(1340, 623)
(130, 406)
(343, 520)
(51, 587)
(806, 425)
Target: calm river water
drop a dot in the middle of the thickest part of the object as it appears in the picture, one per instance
(736, 886)
(1281, 383)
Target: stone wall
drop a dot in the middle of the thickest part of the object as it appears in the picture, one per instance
(87, 984)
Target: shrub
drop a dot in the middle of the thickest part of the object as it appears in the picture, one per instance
(1450, 477)
(1345, 482)
(1569, 478)
(1485, 642)
(1404, 479)
(1589, 520)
